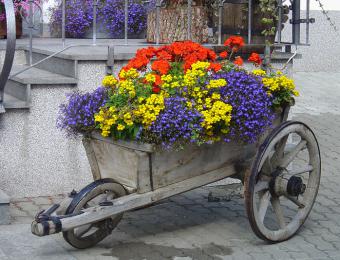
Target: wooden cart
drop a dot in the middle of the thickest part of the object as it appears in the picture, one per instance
(283, 167)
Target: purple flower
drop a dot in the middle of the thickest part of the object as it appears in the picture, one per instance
(112, 14)
(78, 17)
(252, 113)
(177, 123)
(77, 116)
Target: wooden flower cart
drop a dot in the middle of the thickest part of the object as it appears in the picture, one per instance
(129, 176)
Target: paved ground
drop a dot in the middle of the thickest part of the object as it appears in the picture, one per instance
(190, 227)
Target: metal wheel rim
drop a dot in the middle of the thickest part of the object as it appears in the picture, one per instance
(103, 227)
(312, 186)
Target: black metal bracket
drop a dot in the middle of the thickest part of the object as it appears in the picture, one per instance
(299, 21)
(44, 216)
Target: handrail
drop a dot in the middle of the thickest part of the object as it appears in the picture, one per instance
(10, 49)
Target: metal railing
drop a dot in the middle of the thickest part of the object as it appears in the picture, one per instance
(295, 21)
(10, 49)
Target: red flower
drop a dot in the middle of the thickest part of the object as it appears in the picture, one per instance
(224, 55)
(238, 61)
(234, 43)
(156, 90)
(212, 55)
(215, 67)
(161, 66)
(158, 81)
(255, 58)
(164, 55)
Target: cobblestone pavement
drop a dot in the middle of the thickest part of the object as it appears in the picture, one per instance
(188, 226)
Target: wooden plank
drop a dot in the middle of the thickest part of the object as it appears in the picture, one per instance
(170, 167)
(116, 162)
(143, 172)
(134, 201)
(144, 147)
(91, 156)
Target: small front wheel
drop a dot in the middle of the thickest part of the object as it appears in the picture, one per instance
(100, 192)
(281, 187)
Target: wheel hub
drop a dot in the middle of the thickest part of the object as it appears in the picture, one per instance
(285, 184)
(295, 186)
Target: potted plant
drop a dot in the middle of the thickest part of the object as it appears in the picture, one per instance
(21, 9)
(110, 19)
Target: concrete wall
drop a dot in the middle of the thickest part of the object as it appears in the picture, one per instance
(323, 54)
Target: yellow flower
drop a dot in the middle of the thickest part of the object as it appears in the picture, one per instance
(128, 74)
(150, 109)
(217, 83)
(106, 119)
(120, 127)
(259, 72)
(150, 78)
(109, 81)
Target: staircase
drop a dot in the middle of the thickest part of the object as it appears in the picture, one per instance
(50, 73)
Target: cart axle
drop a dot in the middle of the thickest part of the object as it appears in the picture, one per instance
(49, 225)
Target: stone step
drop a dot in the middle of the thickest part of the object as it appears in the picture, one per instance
(12, 102)
(18, 88)
(36, 76)
(58, 65)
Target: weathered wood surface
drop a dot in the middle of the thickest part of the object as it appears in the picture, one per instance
(133, 201)
(169, 167)
(144, 171)
(117, 163)
(174, 24)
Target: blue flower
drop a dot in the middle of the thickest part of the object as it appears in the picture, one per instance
(77, 115)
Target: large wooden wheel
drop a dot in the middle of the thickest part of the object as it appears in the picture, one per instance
(281, 187)
(100, 192)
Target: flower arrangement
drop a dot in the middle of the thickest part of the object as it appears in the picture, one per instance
(79, 17)
(183, 93)
(19, 6)
(112, 15)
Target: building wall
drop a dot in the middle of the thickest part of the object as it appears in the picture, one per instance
(323, 54)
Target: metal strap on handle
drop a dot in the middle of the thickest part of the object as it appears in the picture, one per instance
(10, 49)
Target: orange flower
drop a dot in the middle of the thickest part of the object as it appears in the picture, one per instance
(156, 86)
(212, 55)
(215, 67)
(189, 60)
(224, 55)
(158, 81)
(164, 55)
(161, 66)
(255, 58)
(234, 43)
(238, 61)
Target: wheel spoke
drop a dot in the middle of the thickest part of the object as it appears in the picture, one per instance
(309, 168)
(291, 155)
(261, 185)
(267, 167)
(280, 147)
(264, 203)
(297, 201)
(275, 201)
